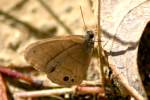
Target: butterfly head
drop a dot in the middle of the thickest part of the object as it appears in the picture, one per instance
(89, 37)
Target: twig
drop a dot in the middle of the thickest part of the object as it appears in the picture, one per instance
(42, 93)
(91, 83)
(18, 75)
(50, 11)
(90, 90)
(100, 50)
(60, 91)
(19, 5)
(122, 80)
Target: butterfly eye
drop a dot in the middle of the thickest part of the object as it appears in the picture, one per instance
(91, 36)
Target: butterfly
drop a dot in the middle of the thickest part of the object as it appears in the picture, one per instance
(64, 59)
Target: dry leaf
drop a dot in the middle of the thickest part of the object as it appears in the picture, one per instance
(126, 20)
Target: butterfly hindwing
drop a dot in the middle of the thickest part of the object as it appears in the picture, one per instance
(71, 66)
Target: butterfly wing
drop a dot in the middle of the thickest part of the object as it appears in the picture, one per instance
(64, 59)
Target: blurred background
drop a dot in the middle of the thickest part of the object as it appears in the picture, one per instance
(24, 21)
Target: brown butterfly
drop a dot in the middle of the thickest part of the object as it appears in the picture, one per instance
(64, 59)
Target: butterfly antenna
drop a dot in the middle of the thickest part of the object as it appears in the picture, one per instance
(85, 27)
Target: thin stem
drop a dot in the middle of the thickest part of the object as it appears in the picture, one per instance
(122, 80)
(100, 50)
